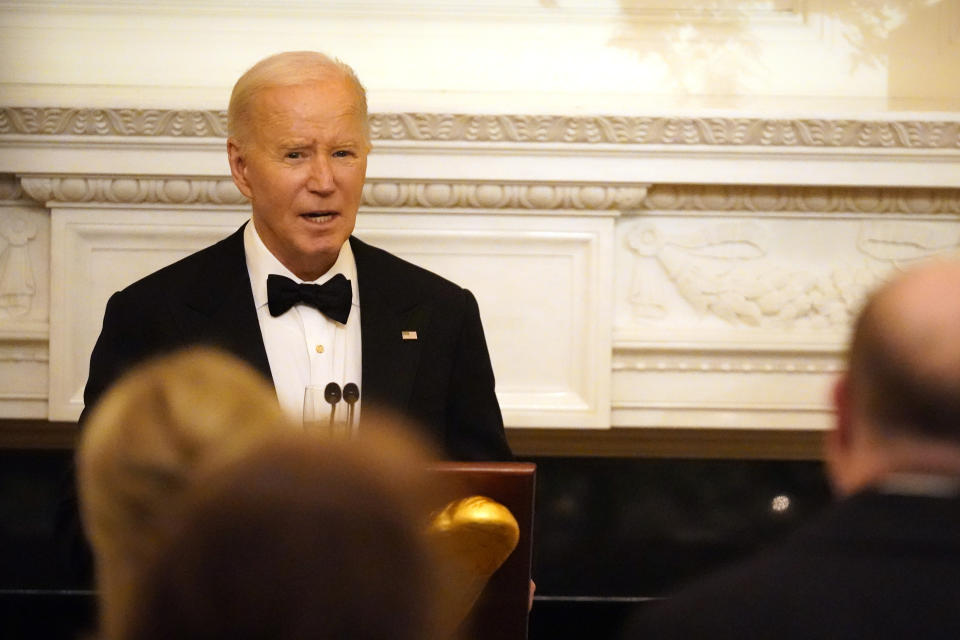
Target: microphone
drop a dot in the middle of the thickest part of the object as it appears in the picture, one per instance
(331, 394)
(351, 393)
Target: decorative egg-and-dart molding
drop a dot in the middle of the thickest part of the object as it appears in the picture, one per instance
(775, 199)
(504, 196)
(132, 190)
(376, 193)
(433, 127)
(530, 196)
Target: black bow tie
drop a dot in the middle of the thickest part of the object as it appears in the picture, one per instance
(332, 298)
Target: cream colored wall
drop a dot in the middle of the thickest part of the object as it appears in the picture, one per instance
(700, 214)
(495, 56)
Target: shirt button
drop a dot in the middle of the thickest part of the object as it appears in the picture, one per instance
(319, 348)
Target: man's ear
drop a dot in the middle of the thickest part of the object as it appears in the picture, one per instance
(839, 441)
(843, 411)
(238, 167)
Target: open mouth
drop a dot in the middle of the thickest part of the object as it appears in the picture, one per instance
(319, 216)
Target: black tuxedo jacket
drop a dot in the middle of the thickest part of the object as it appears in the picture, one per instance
(874, 565)
(443, 380)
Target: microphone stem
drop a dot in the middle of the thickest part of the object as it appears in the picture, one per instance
(351, 394)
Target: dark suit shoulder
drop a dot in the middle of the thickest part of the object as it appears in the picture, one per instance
(448, 378)
(207, 264)
(869, 566)
(405, 278)
(168, 309)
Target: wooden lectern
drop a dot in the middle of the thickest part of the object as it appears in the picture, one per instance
(502, 610)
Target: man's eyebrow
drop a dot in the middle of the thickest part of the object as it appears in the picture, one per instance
(293, 142)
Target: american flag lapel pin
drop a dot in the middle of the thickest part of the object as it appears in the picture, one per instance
(408, 335)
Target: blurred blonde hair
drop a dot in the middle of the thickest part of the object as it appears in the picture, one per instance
(290, 68)
(303, 537)
(145, 443)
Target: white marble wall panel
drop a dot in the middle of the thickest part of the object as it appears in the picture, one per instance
(687, 272)
(543, 284)
(745, 389)
(739, 320)
(97, 251)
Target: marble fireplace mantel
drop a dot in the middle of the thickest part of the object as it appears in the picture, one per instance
(633, 272)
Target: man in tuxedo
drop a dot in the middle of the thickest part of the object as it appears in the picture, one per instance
(884, 560)
(294, 294)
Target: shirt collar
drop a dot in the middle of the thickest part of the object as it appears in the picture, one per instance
(921, 484)
(261, 263)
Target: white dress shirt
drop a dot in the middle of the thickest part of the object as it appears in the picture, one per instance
(304, 347)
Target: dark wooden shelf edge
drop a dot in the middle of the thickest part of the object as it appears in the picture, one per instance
(22, 433)
(773, 444)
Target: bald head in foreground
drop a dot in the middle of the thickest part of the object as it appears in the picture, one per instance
(884, 561)
(898, 406)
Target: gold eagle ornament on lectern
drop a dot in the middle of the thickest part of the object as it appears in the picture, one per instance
(473, 537)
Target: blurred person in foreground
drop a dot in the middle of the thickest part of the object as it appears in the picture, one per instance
(884, 561)
(152, 435)
(303, 538)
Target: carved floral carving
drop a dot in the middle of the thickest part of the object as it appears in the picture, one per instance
(445, 127)
(723, 270)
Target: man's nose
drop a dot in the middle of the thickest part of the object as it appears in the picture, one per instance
(321, 175)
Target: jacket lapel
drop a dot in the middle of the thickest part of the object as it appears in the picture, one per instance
(389, 362)
(220, 310)
(220, 307)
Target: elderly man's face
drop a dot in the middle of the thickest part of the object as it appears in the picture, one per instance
(302, 166)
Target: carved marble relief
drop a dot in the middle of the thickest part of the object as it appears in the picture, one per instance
(17, 284)
(447, 127)
(24, 262)
(746, 273)
(102, 122)
(769, 199)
